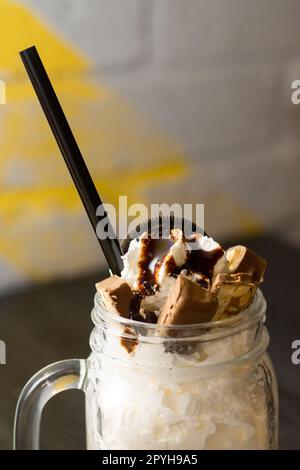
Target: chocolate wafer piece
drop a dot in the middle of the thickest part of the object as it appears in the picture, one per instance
(243, 260)
(188, 303)
(116, 294)
(234, 292)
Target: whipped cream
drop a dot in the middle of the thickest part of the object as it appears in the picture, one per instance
(162, 260)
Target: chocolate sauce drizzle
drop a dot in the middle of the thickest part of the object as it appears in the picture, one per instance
(135, 310)
(198, 262)
(201, 261)
(146, 279)
(151, 248)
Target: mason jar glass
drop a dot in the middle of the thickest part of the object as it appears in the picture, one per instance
(147, 386)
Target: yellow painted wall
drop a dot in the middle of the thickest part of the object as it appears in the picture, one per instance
(44, 231)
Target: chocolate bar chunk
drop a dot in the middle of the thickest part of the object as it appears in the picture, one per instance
(188, 303)
(116, 294)
(234, 292)
(242, 260)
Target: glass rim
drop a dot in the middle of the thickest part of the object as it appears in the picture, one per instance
(251, 314)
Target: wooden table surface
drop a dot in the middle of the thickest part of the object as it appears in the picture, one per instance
(52, 322)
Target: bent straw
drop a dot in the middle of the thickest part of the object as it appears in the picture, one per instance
(71, 153)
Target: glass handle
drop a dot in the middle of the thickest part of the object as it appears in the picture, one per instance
(45, 384)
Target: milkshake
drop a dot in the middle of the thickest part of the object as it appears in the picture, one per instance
(178, 351)
(179, 346)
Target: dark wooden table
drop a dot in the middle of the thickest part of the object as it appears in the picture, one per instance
(52, 322)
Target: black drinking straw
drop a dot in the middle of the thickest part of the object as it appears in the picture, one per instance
(70, 151)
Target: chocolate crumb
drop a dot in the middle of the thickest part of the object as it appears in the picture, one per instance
(150, 317)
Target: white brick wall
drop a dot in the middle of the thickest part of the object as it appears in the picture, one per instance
(214, 74)
(264, 182)
(109, 32)
(191, 32)
(207, 109)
